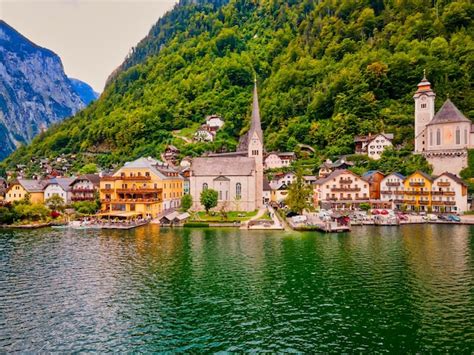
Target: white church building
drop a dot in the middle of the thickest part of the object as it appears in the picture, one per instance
(237, 176)
(443, 138)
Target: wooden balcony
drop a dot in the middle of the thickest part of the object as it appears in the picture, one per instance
(417, 183)
(384, 192)
(82, 198)
(139, 191)
(398, 201)
(424, 203)
(450, 203)
(107, 191)
(437, 203)
(126, 178)
(449, 193)
(82, 190)
(410, 202)
(345, 189)
(345, 181)
(393, 183)
(132, 201)
(417, 193)
(445, 184)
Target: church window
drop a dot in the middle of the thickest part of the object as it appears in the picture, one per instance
(423, 105)
(220, 195)
(431, 137)
(465, 136)
(458, 136)
(238, 190)
(438, 137)
(204, 186)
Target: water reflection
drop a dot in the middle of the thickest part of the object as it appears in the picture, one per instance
(377, 289)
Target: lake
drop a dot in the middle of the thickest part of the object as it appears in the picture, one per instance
(384, 289)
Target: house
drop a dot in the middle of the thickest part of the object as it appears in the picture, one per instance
(203, 134)
(373, 145)
(374, 177)
(143, 187)
(214, 123)
(277, 160)
(449, 194)
(85, 187)
(417, 192)
(186, 173)
(3, 189)
(20, 188)
(185, 162)
(174, 218)
(282, 178)
(267, 191)
(279, 193)
(342, 189)
(58, 187)
(171, 154)
(328, 166)
(392, 190)
(442, 138)
(236, 176)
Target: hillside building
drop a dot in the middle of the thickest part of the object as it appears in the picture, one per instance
(373, 145)
(443, 138)
(20, 188)
(85, 187)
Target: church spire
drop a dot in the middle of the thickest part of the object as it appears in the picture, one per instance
(255, 124)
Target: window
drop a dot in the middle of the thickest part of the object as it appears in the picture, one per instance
(438, 137)
(458, 135)
(204, 186)
(238, 190)
(423, 105)
(431, 137)
(220, 195)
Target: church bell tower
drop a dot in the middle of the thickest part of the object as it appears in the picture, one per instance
(255, 146)
(424, 113)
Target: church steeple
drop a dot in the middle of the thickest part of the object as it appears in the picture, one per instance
(255, 124)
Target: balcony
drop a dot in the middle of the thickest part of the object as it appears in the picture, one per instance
(126, 178)
(366, 198)
(346, 189)
(424, 203)
(417, 193)
(107, 191)
(417, 183)
(398, 201)
(346, 181)
(82, 190)
(450, 203)
(437, 203)
(82, 198)
(383, 192)
(392, 183)
(410, 202)
(449, 193)
(139, 191)
(445, 184)
(132, 201)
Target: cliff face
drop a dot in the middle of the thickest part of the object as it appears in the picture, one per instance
(34, 90)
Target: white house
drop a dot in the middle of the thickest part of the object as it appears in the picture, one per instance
(342, 189)
(214, 122)
(391, 189)
(59, 187)
(276, 160)
(377, 145)
(282, 178)
(204, 135)
(449, 194)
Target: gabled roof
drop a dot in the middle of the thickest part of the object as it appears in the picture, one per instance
(155, 166)
(370, 174)
(266, 185)
(400, 176)
(448, 113)
(335, 174)
(453, 177)
(31, 185)
(93, 178)
(226, 166)
(425, 175)
(64, 183)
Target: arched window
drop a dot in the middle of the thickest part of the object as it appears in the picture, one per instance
(465, 136)
(438, 137)
(204, 186)
(431, 137)
(458, 135)
(238, 190)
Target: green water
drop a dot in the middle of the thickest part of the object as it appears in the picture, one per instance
(196, 290)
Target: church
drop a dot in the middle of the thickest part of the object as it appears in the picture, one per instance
(442, 138)
(237, 176)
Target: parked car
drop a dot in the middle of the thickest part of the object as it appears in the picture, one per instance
(453, 218)
(443, 218)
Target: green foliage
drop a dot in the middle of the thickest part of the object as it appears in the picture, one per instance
(186, 202)
(299, 194)
(209, 198)
(90, 168)
(31, 212)
(7, 215)
(86, 207)
(364, 206)
(468, 173)
(55, 203)
(327, 70)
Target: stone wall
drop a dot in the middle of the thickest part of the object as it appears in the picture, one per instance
(450, 161)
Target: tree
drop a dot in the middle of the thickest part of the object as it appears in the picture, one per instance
(209, 198)
(90, 168)
(86, 207)
(55, 203)
(364, 206)
(186, 202)
(299, 194)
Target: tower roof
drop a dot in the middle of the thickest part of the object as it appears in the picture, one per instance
(255, 123)
(448, 113)
(424, 86)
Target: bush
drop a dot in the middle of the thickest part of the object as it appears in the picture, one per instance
(186, 202)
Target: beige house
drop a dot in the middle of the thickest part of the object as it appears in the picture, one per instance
(342, 189)
(373, 145)
(391, 189)
(449, 194)
(443, 138)
(236, 176)
(277, 160)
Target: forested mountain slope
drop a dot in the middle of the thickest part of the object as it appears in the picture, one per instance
(327, 70)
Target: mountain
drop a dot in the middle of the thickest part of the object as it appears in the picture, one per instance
(84, 91)
(34, 90)
(327, 70)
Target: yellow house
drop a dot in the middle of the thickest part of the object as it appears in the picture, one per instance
(143, 187)
(417, 191)
(20, 188)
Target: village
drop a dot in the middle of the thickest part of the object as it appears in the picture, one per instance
(255, 189)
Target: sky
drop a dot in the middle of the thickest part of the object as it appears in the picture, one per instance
(92, 37)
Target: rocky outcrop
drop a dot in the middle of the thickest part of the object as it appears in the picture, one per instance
(34, 90)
